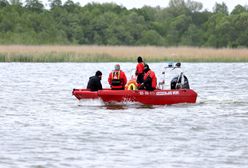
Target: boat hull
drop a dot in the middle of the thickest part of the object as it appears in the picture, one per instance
(84, 94)
(157, 97)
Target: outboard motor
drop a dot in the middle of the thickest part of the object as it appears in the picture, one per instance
(180, 82)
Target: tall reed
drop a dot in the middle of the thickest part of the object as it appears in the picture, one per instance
(56, 53)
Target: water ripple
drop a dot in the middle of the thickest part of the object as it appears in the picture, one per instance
(43, 125)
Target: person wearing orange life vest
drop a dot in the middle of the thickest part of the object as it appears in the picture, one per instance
(117, 78)
(140, 71)
(150, 79)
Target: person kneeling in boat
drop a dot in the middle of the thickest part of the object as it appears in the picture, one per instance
(150, 79)
(117, 79)
(94, 83)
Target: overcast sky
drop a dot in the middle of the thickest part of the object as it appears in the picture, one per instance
(207, 4)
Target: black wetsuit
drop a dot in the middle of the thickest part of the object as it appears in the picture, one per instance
(140, 78)
(94, 83)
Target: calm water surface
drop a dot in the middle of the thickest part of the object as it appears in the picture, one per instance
(42, 125)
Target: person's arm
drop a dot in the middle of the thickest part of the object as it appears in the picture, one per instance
(154, 80)
(110, 78)
(124, 79)
(89, 84)
(99, 85)
(137, 70)
(147, 79)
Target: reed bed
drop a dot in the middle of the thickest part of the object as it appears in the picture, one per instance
(57, 53)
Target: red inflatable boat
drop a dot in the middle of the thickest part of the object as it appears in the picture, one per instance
(180, 92)
(156, 97)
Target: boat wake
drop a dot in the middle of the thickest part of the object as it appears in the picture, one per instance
(222, 101)
(91, 102)
(112, 105)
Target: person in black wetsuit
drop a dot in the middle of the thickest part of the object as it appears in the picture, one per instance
(94, 83)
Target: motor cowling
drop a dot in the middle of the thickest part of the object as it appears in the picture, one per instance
(180, 82)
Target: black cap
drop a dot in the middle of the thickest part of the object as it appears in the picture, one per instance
(139, 59)
(98, 73)
(146, 68)
(178, 64)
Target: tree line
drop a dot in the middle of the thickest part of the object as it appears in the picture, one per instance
(181, 23)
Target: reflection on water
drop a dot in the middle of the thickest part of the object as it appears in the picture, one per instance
(43, 125)
(115, 107)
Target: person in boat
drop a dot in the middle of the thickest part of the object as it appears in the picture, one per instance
(117, 78)
(150, 79)
(94, 83)
(140, 71)
(180, 81)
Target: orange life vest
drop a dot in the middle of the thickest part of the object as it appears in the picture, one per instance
(116, 82)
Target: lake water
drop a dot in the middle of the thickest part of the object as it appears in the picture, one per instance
(42, 125)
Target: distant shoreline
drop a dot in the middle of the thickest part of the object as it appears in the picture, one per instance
(93, 53)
